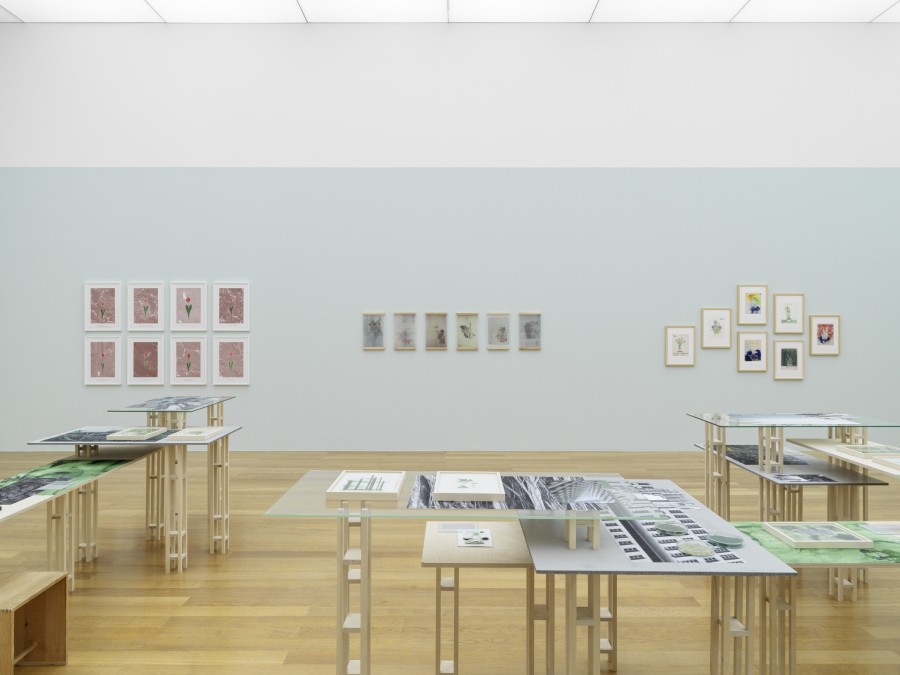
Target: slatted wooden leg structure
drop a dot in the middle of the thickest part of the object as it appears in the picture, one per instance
(848, 502)
(86, 503)
(354, 569)
(718, 497)
(175, 507)
(777, 626)
(32, 620)
(156, 475)
(594, 616)
(450, 586)
(545, 612)
(771, 449)
(60, 537)
(732, 619)
(780, 502)
(217, 495)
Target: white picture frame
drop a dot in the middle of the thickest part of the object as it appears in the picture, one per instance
(824, 334)
(231, 360)
(102, 306)
(231, 306)
(808, 534)
(498, 332)
(376, 486)
(187, 360)
(715, 328)
(468, 486)
(752, 304)
(146, 306)
(187, 306)
(145, 360)
(680, 346)
(752, 351)
(102, 360)
(788, 313)
(788, 360)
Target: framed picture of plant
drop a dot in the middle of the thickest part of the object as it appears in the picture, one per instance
(187, 306)
(101, 360)
(824, 335)
(373, 331)
(231, 360)
(436, 331)
(145, 360)
(498, 331)
(787, 312)
(102, 305)
(231, 306)
(680, 345)
(467, 331)
(715, 328)
(530, 331)
(187, 359)
(404, 331)
(752, 305)
(145, 306)
(788, 363)
(753, 352)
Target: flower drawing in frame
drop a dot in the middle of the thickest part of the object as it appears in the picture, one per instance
(753, 352)
(467, 331)
(788, 363)
(101, 306)
(187, 306)
(824, 335)
(146, 306)
(436, 331)
(787, 312)
(753, 303)
(231, 309)
(373, 331)
(404, 331)
(498, 331)
(145, 360)
(231, 359)
(715, 328)
(680, 345)
(101, 360)
(187, 360)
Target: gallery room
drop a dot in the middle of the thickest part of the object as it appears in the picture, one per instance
(470, 337)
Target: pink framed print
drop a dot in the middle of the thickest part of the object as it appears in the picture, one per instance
(187, 308)
(187, 359)
(231, 306)
(145, 306)
(145, 360)
(102, 306)
(231, 360)
(101, 360)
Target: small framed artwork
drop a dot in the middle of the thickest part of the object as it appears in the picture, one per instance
(373, 331)
(753, 352)
(715, 328)
(187, 360)
(145, 360)
(824, 335)
(436, 331)
(498, 331)
(188, 306)
(788, 360)
(817, 535)
(404, 331)
(468, 486)
(231, 360)
(680, 345)
(375, 486)
(145, 306)
(467, 331)
(530, 330)
(753, 303)
(101, 306)
(787, 312)
(101, 360)
(231, 306)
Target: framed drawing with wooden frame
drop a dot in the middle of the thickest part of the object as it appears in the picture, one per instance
(680, 345)
(715, 327)
(788, 363)
(787, 313)
(752, 305)
(824, 334)
(752, 352)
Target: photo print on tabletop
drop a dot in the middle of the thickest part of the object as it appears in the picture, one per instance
(467, 331)
(188, 306)
(231, 309)
(404, 331)
(101, 360)
(680, 345)
(715, 328)
(231, 360)
(530, 334)
(824, 335)
(788, 360)
(498, 331)
(787, 312)
(145, 360)
(145, 306)
(753, 302)
(187, 360)
(436, 331)
(101, 306)
(753, 354)
(373, 331)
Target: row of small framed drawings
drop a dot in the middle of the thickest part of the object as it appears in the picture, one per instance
(466, 329)
(145, 362)
(824, 331)
(146, 306)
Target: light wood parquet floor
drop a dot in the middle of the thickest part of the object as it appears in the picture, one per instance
(268, 606)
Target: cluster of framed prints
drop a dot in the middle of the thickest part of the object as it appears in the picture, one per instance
(146, 311)
(753, 306)
(466, 329)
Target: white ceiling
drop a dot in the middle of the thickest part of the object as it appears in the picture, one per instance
(444, 11)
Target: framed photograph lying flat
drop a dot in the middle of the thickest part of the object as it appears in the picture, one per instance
(367, 486)
(817, 535)
(136, 433)
(468, 486)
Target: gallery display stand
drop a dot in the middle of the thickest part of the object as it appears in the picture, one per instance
(354, 569)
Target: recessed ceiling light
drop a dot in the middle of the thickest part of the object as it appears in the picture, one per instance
(92, 11)
(667, 10)
(812, 10)
(228, 11)
(521, 11)
(374, 11)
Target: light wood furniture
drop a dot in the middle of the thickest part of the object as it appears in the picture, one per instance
(32, 619)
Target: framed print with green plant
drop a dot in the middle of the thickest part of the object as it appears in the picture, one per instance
(752, 352)
(146, 306)
(788, 363)
(680, 345)
(231, 306)
(102, 305)
(101, 360)
(231, 360)
(187, 359)
(436, 331)
(752, 305)
(824, 334)
(715, 328)
(187, 306)
(787, 312)
(145, 360)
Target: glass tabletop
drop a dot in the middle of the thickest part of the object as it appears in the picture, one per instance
(174, 404)
(96, 435)
(821, 419)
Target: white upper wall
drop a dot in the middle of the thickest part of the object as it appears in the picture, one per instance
(657, 95)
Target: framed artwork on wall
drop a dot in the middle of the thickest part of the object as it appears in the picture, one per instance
(101, 360)
(231, 360)
(187, 306)
(101, 306)
(436, 331)
(498, 331)
(530, 334)
(787, 312)
(145, 360)
(404, 331)
(145, 306)
(680, 345)
(788, 363)
(824, 335)
(752, 305)
(753, 352)
(467, 331)
(373, 331)
(715, 328)
(231, 306)
(187, 359)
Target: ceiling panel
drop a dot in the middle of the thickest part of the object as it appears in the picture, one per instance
(228, 11)
(102, 11)
(813, 10)
(667, 10)
(374, 11)
(521, 11)
(892, 15)
(6, 17)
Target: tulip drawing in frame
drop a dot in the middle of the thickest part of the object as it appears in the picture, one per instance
(145, 306)
(145, 360)
(231, 359)
(101, 306)
(188, 306)
(187, 360)
(101, 360)
(231, 306)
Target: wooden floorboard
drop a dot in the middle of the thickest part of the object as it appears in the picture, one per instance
(268, 606)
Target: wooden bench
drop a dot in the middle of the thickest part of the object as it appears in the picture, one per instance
(32, 619)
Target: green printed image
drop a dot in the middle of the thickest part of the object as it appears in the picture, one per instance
(885, 550)
(54, 478)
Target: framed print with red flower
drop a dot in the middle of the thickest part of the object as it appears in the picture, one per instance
(146, 306)
(187, 306)
(145, 360)
(231, 360)
(101, 360)
(101, 306)
(231, 306)
(187, 359)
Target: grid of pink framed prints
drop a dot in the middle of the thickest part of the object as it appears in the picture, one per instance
(148, 310)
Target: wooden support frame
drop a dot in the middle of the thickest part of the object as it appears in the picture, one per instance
(574, 521)
(594, 616)
(777, 626)
(354, 568)
(450, 585)
(545, 612)
(60, 537)
(32, 620)
(718, 471)
(86, 506)
(732, 621)
(175, 508)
